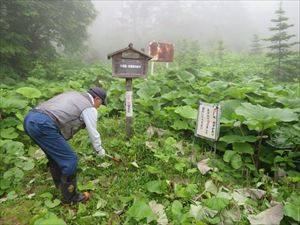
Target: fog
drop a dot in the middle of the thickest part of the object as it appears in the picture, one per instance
(233, 22)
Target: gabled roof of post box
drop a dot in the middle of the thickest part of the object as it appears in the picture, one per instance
(130, 47)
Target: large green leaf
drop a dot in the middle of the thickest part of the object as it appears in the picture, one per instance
(9, 103)
(9, 133)
(177, 208)
(216, 203)
(29, 92)
(186, 76)
(292, 207)
(186, 112)
(229, 139)
(52, 204)
(218, 86)
(13, 147)
(228, 115)
(180, 125)
(236, 161)
(14, 172)
(228, 155)
(147, 89)
(141, 210)
(259, 118)
(157, 186)
(243, 148)
(49, 219)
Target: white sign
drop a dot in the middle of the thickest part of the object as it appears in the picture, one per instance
(128, 104)
(208, 121)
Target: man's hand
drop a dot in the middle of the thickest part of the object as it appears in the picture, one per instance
(101, 152)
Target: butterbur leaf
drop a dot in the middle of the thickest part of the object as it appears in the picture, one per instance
(236, 161)
(271, 216)
(240, 199)
(228, 115)
(186, 112)
(141, 210)
(201, 213)
(29, 92)
(203, 167)
(218, 86)
(147, 89)
(28, 165)
(177, 208)
(157, 186)
(158, 209)
(46, 195)
(211, 187)
(9, 133)
(243, 148)
(180, 125)
(292, 207)
(259, 118)
(49, 219)
(252, 192)
(216, 203)
(14, 172)
(52, 204)
(229, 139)
(186, 76)
(228, 155)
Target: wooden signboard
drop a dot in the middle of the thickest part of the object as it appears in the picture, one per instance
(129, 63)
(161, 52)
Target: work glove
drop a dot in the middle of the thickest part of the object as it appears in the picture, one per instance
(101, 152)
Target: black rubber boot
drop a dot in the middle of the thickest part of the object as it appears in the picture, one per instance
(68, 188)
(55, 172)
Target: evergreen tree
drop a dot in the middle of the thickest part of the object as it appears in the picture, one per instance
(33, 30)
(256, 47)
(220, 51)
(282, 58)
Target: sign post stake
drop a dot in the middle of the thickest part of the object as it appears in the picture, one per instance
(152, 68)
(129, 107)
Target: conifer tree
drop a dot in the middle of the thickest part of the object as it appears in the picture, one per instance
(220, 51)
(256, 47)
(282, 58)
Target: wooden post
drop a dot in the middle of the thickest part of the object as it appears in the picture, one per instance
(129, 107)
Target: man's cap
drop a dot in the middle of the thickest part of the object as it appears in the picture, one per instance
(100, 93)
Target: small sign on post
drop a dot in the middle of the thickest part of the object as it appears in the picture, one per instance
(161, 52)
(129, 63)
(208, 121)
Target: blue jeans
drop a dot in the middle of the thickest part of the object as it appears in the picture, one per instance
(45, 133)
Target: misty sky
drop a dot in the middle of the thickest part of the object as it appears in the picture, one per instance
(139, 22)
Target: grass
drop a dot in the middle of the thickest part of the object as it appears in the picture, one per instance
(112, 184)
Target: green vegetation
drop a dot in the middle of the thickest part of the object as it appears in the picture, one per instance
(31, 33)
(166, 175)
(285, 61)
(161, 176)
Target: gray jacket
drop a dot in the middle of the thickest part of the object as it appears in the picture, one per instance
(65, 109)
